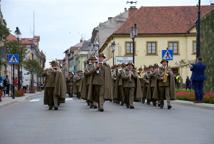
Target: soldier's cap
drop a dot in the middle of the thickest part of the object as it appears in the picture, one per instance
(163, 60)
(130, 63)
(54, 63)
(123, 65)
(92, 58)
(113, 66)
(119, 65)
(140, 69)
(156, 65)
(150, 66)
(102, 55)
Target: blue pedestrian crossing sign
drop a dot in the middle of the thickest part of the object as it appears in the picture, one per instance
(13, 58)
(167, 55)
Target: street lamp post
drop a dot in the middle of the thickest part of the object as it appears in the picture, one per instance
(198, 23)
(96, 48)
(113, 50)
(18, 35)
(133, 34)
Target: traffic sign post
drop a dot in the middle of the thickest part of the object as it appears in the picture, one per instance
(167, 55)
(12, 60)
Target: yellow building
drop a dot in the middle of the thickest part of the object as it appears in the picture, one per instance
(159, 28)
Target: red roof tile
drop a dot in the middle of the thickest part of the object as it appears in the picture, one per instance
(163, 20)
(11, 37)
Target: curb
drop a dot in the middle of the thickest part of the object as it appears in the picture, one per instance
(10, 101)
(199, 105)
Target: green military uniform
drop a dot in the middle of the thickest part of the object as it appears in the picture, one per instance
(69, 81)
(166, 85)
(146, 90)
(153, 86)
(55, 87)
(129, 85)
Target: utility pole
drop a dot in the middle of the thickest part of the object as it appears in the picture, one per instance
(198, 23)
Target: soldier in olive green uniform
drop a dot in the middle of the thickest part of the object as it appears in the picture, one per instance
(55, 86)
(166, 84)
(102, 83)
(120, 89)
(153, 83)
(114, 73)
(146, 90)
(129, 84)
(88, 94)
(141, 76)
(69, 82)
(78, 83)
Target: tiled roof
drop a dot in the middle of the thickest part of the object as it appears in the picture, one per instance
(27, 41)
(24, 41)
(11, 37)
(163, 20)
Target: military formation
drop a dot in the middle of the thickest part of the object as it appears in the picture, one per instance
(122, 84)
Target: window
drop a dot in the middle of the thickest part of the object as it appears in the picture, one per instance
(174, 46)
(151, 48)
(129, 48)
(194, 47)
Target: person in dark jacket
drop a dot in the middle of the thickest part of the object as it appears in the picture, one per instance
(188, 83)
(198, 77)
(6, 84)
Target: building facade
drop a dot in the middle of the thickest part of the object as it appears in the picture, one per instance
(159, 28)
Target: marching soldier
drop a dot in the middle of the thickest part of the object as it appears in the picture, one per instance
(121, 71)
(141, 76)
(146, 90)
(55, 86)
(131, 88)
(69, 81)
(114, 73)
(102, 83)
(88, 94)
(78, 83)
(153, 83)
(166, 84)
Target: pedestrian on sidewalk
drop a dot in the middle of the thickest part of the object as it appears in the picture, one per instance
(6, 85)
(198, 77)
(188, 83)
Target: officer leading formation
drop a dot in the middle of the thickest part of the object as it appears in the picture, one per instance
(55, 86)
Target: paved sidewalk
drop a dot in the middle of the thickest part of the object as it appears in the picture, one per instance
(189, 103)
(8, 100)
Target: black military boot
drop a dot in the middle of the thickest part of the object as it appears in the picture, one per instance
(101, 110)
(55, 108)
(169, 107)
(50, 107)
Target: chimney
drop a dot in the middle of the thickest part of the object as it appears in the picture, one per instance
(109, 18)
(132, 10)
(125, 9)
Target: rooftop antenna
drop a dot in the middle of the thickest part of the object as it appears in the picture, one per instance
(33, 23)
(131, 2)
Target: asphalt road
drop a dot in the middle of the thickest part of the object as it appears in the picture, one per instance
(30, 122)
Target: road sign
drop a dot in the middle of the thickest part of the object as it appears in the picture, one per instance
(13, 58)
(167, 55)
(123, 59)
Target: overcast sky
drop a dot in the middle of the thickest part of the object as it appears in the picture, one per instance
(61, 23)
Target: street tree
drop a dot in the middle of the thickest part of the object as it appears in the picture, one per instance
(33, 67)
